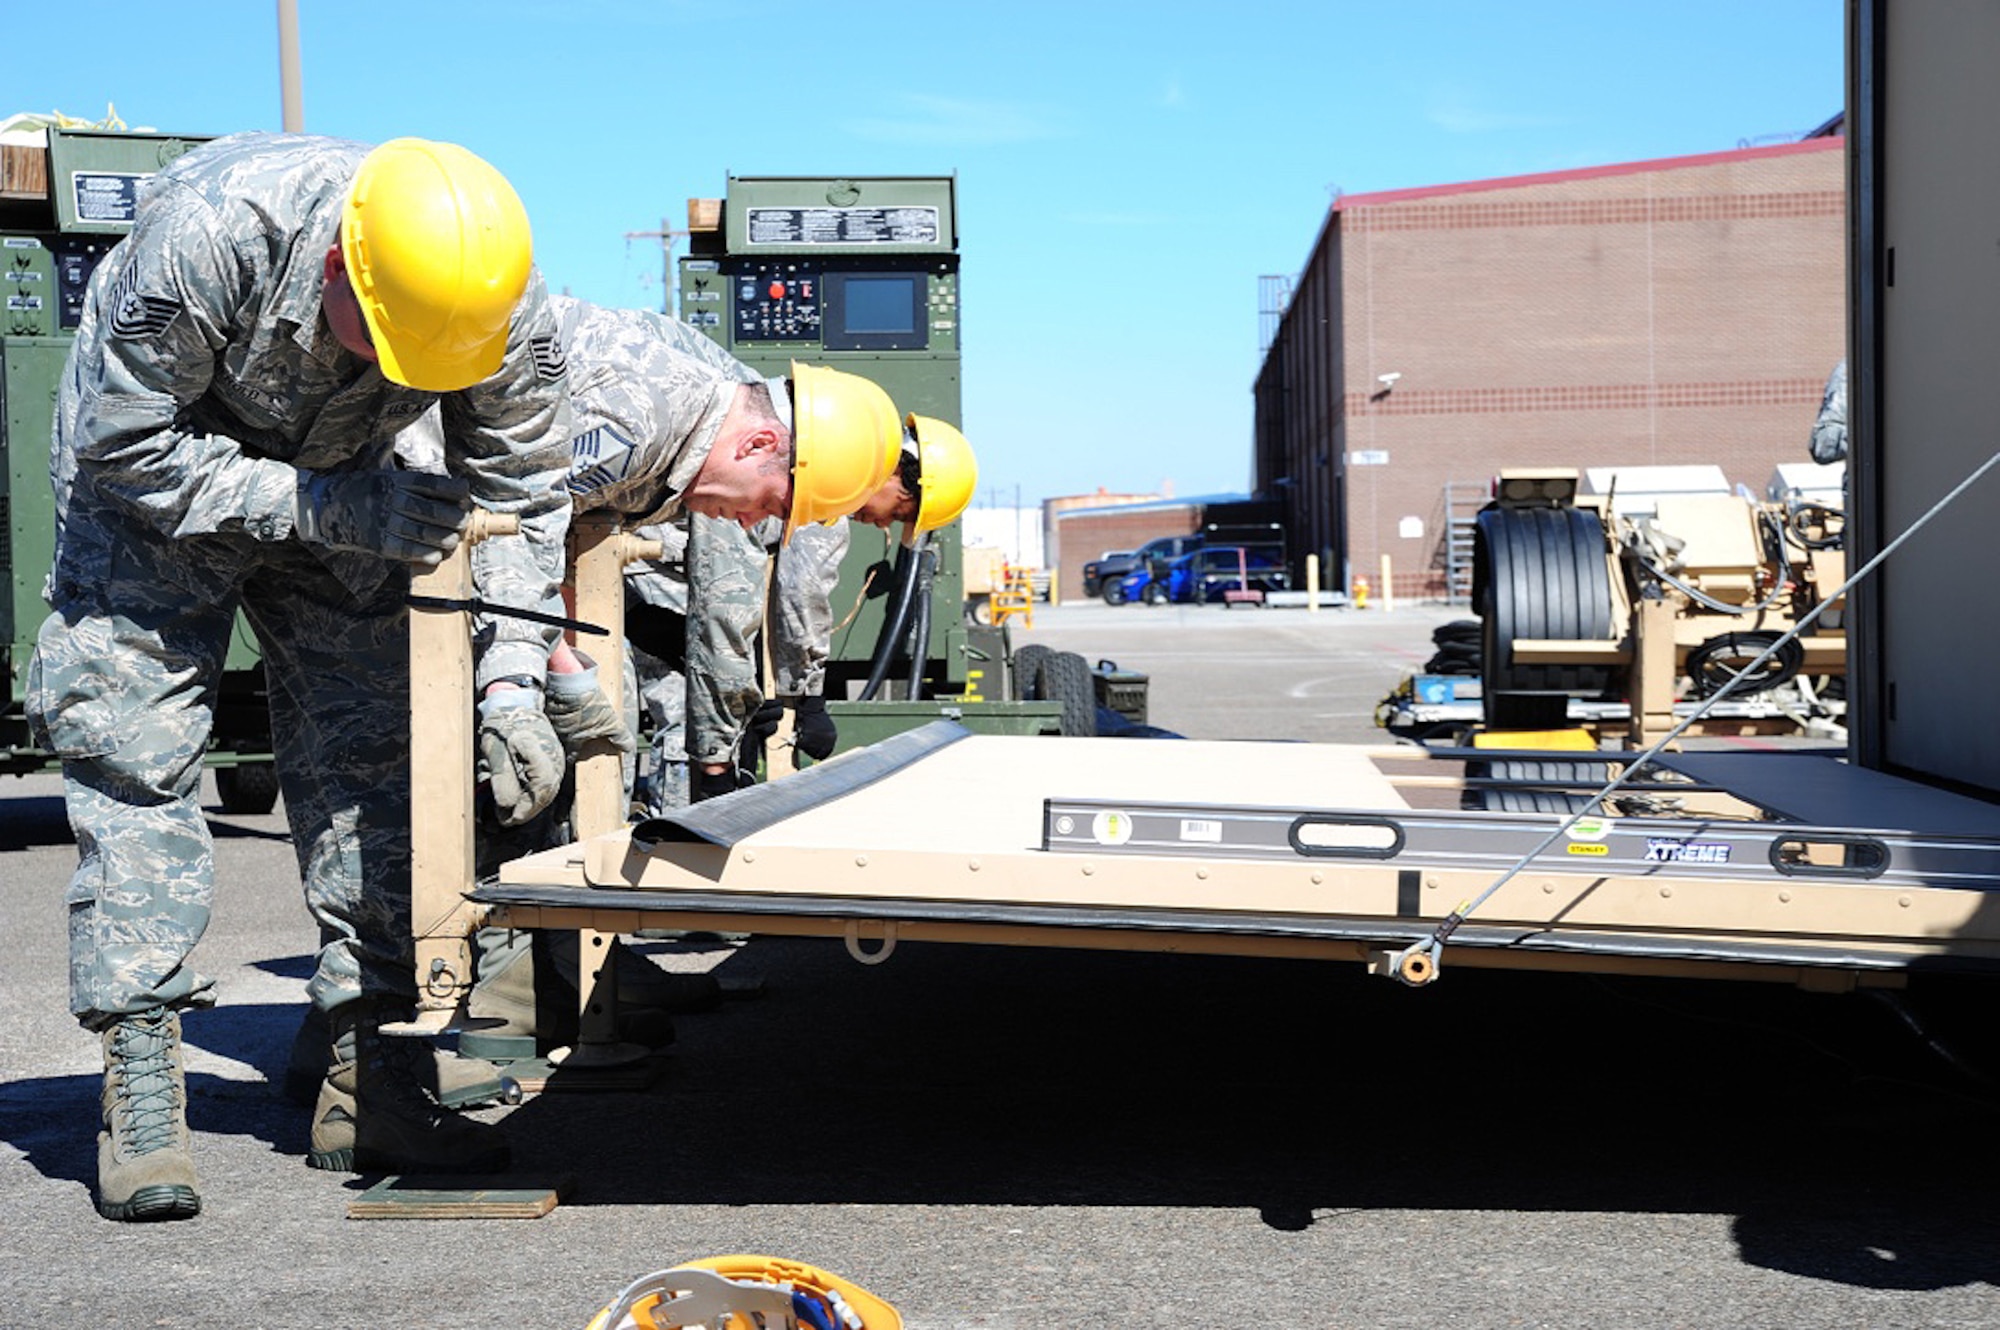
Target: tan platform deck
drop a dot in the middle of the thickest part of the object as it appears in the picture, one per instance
(962, 843)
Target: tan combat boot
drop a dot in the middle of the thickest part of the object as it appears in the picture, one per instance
(145, 1158)
(378, 1110)
(462, 1081)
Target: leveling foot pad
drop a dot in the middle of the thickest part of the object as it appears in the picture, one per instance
(498, 1196)
(561, 1071)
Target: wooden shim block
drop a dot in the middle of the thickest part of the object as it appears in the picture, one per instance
(469, 1197)
(24, 171)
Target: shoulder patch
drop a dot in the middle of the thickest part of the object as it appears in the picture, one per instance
(550, 362)
(136, 314)
(598, 457)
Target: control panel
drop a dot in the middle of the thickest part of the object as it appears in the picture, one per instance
(42, 281)
(776, 300)
(831, 306)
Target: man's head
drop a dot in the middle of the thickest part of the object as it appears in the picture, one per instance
(434, 254)
(900, 495)
(935, 478)
(747, 475)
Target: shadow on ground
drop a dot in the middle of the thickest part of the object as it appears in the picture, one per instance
(1012, 1077)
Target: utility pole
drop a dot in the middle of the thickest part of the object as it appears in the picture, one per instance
(291, 97)
(666, 235)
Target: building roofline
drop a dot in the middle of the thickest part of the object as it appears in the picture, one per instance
(1387, 196)
(1155, 505)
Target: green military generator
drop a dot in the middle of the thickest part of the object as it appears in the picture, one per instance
(63, 205)
(861, 273)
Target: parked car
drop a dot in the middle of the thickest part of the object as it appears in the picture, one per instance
(1207, 575)
(1113, 571)
(1132, 588)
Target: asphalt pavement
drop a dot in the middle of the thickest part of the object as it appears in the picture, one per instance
(1005, 1138)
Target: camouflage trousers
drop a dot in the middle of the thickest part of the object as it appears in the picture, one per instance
(123, 687)
(662, 695)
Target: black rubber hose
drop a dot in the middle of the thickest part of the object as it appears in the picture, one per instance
(895, 619)
(920, 635)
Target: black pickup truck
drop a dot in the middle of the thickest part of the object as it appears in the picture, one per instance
(1101, 577)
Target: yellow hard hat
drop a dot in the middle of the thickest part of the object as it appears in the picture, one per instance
(949, 473)
(438, 252)
(761, 1290)
(846, 438)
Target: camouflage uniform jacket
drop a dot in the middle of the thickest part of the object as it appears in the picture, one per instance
(1829, 432)
(726, 601)
(204, 379)
(650, 394)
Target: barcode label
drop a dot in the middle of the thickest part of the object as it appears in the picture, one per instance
(1201, 829)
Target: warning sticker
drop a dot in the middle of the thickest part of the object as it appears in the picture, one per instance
(842, 226)
(106, 196)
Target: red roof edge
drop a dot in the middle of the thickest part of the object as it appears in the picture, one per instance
(1347, 201)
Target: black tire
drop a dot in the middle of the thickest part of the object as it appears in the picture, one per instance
(1540, 573)
(979, 612)
(1114, 593)
(1027, 671)
(1064, 676)
(1564, 802)
(1459, 632)
(251, 787)
(1155, 594)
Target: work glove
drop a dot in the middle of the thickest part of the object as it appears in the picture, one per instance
(579, 711)
(520, 757)
(710, 784)
(408, 516)
(814, 733)
(757, 732)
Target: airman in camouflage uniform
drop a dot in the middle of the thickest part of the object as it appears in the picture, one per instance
(1829, 431)
(652, 379)
(222, 441)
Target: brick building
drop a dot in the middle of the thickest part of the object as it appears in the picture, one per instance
(1685, 310)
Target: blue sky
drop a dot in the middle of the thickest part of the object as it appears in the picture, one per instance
(1126, 171)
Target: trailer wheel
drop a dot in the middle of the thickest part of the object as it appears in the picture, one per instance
(251, 787)
(979, 612)
(1492, 800)
(1540, 573)
(1027, 670)
(1065, 678)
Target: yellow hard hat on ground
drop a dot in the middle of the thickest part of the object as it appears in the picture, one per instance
(743, 1293)
(948, 473)
(438, 252)
(846, 437)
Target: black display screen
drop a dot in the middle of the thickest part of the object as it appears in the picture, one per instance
(874, 312)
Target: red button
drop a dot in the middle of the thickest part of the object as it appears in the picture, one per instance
(777, 290)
